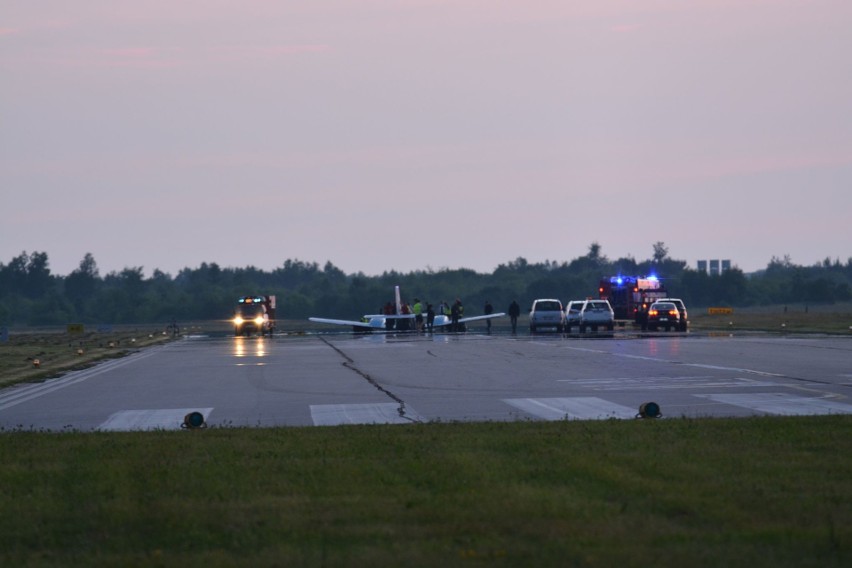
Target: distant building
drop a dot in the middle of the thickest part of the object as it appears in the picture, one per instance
(714, 267)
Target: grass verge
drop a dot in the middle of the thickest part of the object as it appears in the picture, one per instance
(831, 319)
(680, 492)
(58, 352)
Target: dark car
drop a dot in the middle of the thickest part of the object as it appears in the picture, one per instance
(663, 314)
(681, 308)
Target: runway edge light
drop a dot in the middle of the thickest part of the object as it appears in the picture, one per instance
(193, 421)
(649, 410)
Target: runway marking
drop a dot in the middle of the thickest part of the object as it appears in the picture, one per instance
(735, 369)
(378, 413)
(781, 403)
(575, 408)
(664, 383)
(674, 362)
(158, 419)
(19, 394)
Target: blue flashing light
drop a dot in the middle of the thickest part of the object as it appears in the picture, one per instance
(653, 277)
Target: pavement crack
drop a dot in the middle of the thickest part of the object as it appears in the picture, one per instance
(349, 363)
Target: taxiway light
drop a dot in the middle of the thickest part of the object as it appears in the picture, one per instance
(649, 410)
(79, 352)
(36, 363)
(193, 421)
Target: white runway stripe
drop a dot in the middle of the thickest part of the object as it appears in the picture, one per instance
(157, 419)
(782, 404)
(576, 408)
(379, 413)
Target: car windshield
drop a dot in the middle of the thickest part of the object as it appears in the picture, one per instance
(251, 310)
(548, 306)
(664, 307)
(596, 306)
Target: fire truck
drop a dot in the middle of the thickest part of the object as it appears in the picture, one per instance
(254, 313)
(630, 296)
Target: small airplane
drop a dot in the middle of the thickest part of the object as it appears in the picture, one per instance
(379, 322)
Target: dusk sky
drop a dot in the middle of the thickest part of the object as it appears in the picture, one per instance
(418, 134)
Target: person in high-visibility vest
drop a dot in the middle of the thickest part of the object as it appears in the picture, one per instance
(417, 309)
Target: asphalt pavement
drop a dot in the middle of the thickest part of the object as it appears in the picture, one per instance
(341, 378)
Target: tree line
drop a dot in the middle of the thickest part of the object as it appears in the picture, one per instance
(31, 295)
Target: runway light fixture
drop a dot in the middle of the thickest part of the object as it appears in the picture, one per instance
(193, 421)
(36, 363)
(649, 410)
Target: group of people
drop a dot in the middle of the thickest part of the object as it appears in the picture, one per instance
(424, 315)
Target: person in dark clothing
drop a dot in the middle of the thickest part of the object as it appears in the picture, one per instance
(430, 317)
(487, 310)
(514, 311)
(389, 310)
(456, 313)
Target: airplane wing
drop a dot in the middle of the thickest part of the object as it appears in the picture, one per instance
(445, 320)
(479, 318)
(373, 323)
(370, 321)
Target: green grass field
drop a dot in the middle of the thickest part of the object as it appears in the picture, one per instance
(673, 492)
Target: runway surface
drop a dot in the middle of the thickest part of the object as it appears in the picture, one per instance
(332, 379)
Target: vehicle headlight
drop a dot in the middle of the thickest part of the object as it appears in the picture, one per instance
(239, 321)
(258, 320)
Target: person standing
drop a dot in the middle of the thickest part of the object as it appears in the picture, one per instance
(389, 310)
(514, 311)
(456, 313)
(417, 309)
(488, 310)
(430, 317)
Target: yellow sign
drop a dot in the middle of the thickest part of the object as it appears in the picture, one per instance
(75, 329)
(719, 311)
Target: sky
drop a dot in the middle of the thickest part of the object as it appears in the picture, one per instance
(424, 134)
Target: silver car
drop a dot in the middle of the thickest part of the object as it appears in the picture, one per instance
(572, 314)
(547, 313)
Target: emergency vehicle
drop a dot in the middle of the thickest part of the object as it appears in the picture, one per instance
(254, 313)
(630, 296)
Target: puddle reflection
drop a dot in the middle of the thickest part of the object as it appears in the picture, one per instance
(249, 347)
